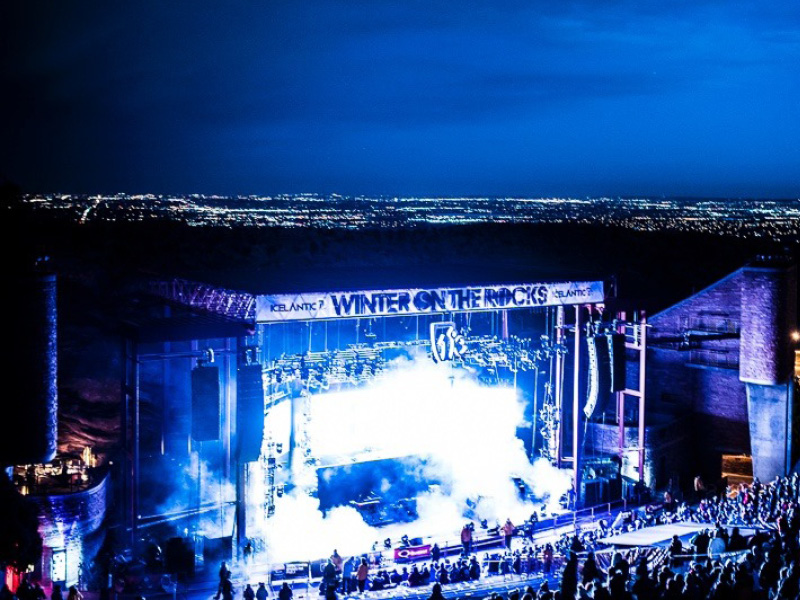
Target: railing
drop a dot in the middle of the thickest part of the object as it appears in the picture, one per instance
(592, 511)
(563, 519)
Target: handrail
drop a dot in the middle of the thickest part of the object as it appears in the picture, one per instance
(591, 510)
(560, 520)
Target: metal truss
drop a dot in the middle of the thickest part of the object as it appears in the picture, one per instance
(240, 306)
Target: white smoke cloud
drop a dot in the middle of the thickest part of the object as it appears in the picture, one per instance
(466, 432)
(199, 486)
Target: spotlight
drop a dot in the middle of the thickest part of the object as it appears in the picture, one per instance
(387, 543)
(279, 491)
(279, 447)
(796, 336)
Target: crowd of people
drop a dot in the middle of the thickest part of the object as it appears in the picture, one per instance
(719, 562)
(356, 574)
(28, 590)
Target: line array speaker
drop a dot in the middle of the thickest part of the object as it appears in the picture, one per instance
(249, 411)
(205, 404)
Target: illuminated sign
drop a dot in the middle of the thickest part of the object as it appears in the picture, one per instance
(446, 343)
(58, 566)
(412, 553)
(297, 569)
(387, 303)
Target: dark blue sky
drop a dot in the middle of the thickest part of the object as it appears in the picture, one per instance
(443, 98)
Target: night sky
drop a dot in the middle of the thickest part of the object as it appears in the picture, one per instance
(585, 98)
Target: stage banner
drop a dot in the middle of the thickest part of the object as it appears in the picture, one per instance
(412, 553)
(297, 570)
(385, 303)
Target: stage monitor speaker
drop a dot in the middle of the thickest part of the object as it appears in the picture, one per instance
(616, 353)
(316, 568)
(179, 556)
(595, 491)
(249, 412)
(205, 404)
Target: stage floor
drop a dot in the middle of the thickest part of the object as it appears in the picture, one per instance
(655, 536)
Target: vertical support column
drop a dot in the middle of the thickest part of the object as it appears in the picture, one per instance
(621, 400)
(124, 424)
(136, 435)
(642, 364)
(535, 415)
(240, 467)
(559, 387)
(195, 446)
(576, 409)
(165, 378)
(241, 504)
(229, 361)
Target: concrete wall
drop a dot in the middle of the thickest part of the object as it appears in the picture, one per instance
(710, 355)
(692, 372)
(769, 314)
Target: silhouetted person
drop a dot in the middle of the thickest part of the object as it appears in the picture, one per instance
(227, 587)
(337, 561)
(508, 532)
(436, 592)
(534, 520)
(466, 538)
(361, 575)
(569, 578)
(74, 594)
(248, 593)
(548, 559)
(590, 570)
(329, 575)
(285, 593)
(224, 573)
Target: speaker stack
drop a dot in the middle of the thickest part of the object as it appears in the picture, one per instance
(249, 411)
(205, 404)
